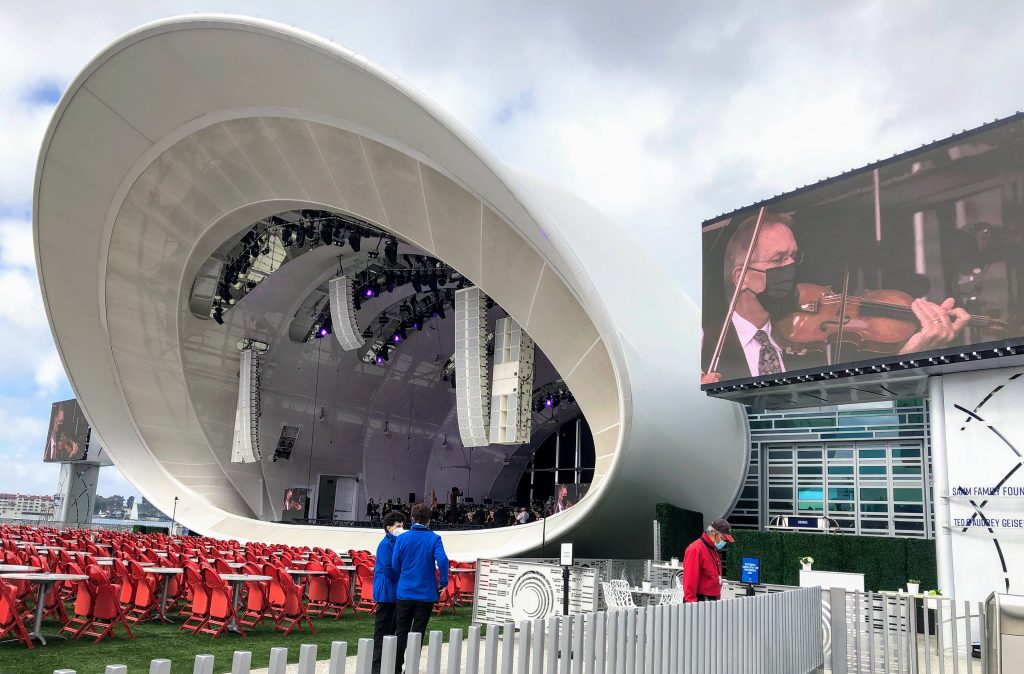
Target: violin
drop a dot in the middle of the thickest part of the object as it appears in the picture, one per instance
(876, 321)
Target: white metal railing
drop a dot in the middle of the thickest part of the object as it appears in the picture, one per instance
(769, 634)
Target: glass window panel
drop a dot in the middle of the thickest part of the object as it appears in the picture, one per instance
(874, 525)
(809, 454)
(810, 494)
(868, 420)
(780, 454)
(906, 494)
(808, 470)
(871, 453)
(780, 469)
(872, 470)
(874, 494)
(749, 492)
(840, 453)
(840, 507)
(843, 494)
(908, 508)
(756, 425)
(874, 507)
(909, 526)
(805, 423)
(780, 492)
(840, 470)
(906, 453)
(816, 506)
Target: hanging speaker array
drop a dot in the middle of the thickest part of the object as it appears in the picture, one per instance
(343, 314)
(512, 387)
(472, 404)
(245, 446)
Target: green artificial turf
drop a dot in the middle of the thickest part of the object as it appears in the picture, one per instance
(165, 641)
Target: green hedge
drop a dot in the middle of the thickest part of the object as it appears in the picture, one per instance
(886, 562)
(146, 529)
(679, 528)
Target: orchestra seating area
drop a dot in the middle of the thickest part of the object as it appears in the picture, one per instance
(69, 588)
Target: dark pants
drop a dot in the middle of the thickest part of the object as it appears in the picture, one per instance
(706, 597)
(412, 617)
(387, 612)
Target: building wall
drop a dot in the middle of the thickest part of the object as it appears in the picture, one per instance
(867, 466)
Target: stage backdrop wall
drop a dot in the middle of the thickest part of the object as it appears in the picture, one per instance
(985, 442)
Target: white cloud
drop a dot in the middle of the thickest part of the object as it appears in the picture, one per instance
(49, 375)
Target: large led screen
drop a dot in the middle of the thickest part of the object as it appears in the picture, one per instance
(68, 439)
(917, 255)
(296, 501)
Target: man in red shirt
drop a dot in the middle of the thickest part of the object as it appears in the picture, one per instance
(702, 563)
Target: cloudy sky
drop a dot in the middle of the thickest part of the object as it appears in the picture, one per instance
(662, 114)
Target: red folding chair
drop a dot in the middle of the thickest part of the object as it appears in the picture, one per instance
(11, 616)
(82, 610)
(199, 606)
(339, 596)
(318, 592)
(106, 609)
(292, 611)
(221, 611)
(146, 595)
(364, 588)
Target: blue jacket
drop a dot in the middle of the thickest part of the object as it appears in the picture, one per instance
(385, 578)
(418, 555)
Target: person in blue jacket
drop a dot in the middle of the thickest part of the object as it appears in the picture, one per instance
(385, 585)
(418, 559)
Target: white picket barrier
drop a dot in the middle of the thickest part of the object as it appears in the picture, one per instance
(768, 634)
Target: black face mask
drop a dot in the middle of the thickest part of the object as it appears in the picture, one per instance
(780, 297)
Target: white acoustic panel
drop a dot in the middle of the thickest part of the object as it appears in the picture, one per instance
(512, 387)
(343, 314)
(245, 446)
(471, 401)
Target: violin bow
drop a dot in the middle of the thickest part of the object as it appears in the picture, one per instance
(842, 316)
(713, 365)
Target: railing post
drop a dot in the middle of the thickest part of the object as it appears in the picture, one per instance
(455, 651)
(278, 660)
(577, 643)
(537, 661)
(434, 652)
(551, 646)
(491, 650)
(590, 628)
(339, 653)
(473, 649)
(307, 659)
(388, 654)
(837, 626)
(412, 653)
(507, 648)
(364, 657)
(241, 663)
(203, 665)
(523, 649)
(163, 666)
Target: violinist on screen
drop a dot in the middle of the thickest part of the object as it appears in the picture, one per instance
(768, 292)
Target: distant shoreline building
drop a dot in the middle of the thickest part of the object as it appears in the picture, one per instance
(26, 505)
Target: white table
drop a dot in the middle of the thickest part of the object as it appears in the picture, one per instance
(45, 582)
(236, 580)
(647, 594)
(17, 568)
(165, 572)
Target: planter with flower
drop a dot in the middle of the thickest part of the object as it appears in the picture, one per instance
(806, 563)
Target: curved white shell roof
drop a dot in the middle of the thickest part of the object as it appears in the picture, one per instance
(186, 131)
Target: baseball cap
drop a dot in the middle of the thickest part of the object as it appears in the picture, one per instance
(723, 527)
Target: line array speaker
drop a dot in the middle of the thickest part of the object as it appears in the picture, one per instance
(245, 446)
(343, 314)
(471, 401)
(512, 387)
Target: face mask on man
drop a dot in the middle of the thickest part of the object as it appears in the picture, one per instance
(397, 531)
(779, 297)
(720, 545)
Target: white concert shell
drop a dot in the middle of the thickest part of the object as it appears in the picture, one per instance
(186, 131)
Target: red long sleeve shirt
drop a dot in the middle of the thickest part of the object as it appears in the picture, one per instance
(702, 570)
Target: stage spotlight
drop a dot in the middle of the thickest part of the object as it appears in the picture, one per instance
(396, 338)
(354, 240)
(391, 251)
(418, 324)
(379, 359)
(369, 292)
(549, 402)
